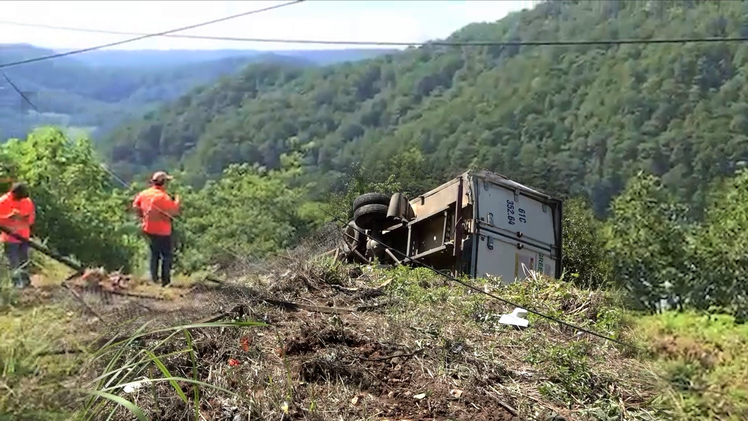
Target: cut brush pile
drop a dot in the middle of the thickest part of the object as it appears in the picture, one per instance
(315, 339)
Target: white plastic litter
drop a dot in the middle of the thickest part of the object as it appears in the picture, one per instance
(515, 318)
(134, 386)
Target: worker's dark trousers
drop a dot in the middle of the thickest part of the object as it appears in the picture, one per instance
(161, 252)
(18, 258)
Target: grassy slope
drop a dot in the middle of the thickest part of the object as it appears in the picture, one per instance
(706, 358)
(323, 366)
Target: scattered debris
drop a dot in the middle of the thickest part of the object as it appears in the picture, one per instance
(99, 279)
(414, 354)
(134, 386)
(515, 318)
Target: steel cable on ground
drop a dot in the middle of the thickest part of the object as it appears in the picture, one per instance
(144, 36)
(438, 43)
(437, 271)
(494, 296)
(519, 43)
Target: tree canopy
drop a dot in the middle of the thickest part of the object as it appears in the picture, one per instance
(578, 119)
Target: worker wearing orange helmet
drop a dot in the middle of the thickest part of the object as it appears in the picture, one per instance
(17, 214)
(157, 209)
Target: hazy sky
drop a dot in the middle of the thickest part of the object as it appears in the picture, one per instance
(314, 19)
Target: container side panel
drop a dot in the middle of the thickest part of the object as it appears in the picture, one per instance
(499, 207)
(499, 258)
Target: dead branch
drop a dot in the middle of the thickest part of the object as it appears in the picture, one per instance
(412, 354)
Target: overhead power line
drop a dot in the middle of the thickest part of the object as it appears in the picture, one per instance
(481, 43)
(144, 36)
(20, 92)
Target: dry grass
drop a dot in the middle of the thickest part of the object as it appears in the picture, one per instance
(417, 348)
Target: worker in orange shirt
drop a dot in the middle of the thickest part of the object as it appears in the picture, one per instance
(157, 210)
(17, 213)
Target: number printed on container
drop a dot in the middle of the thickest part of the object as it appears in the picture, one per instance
(521, 215)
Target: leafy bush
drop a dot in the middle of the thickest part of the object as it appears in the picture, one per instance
(647, 236)
(79, 212)
(705, 357)
(721, 250)
(584, 257)
(247, 212)
(339, 205)
(662, 257)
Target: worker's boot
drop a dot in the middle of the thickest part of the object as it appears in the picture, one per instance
(18, 280)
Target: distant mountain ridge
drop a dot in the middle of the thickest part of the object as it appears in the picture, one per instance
(97, 90)
(178, 57)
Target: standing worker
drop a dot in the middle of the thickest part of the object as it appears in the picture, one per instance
(157, 209)
(18, 214)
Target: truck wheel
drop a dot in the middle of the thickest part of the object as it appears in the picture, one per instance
(371, 199)
(368, 216)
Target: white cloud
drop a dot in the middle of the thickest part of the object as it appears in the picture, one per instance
(400, 21)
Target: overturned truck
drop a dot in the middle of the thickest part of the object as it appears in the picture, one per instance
(478, 224)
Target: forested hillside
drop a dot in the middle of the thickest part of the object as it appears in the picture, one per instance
(655, 134)
(576, 118)
(100, 89)
(642, 255)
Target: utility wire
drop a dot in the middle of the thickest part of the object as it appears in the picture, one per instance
(403, 255)
(481, 43)
(28, 101)
(138, 38)
(103, 166)
(144, 36)
(19, 92)
(478, 43)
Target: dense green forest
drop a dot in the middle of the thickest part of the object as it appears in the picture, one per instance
(645, 142)
(573, 119)
(98, 90)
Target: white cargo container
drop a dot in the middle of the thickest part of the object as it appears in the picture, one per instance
(505, 229)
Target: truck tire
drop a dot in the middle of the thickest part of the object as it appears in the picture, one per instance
(368, 216)
(371, 199)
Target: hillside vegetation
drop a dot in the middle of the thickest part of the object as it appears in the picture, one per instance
(690, 366)
(645, 142)
(588, 117)
(98, 90)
